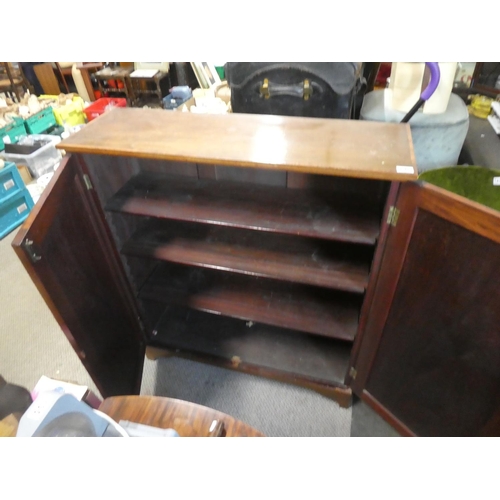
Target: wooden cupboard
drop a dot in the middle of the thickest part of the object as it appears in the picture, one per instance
(294, 248)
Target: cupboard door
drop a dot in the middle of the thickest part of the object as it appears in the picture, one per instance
(428, 359)
(67, 250)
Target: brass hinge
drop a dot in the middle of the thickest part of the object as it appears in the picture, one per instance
(30, 250)
(264, 89)
(353, 372)
(86, 179)
(393, 216)
(307, 90)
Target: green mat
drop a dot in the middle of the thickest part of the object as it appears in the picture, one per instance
(474, 183)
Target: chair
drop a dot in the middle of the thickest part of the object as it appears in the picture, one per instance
(65, 69)
(47, 78)
(13, 81)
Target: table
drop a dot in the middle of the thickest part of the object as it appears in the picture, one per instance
(157, 85)
(120, 74)
(188, 419)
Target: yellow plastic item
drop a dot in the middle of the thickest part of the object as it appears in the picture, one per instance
(72, 114)
(480, 106)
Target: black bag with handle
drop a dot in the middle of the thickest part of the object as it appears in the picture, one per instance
(320, 90)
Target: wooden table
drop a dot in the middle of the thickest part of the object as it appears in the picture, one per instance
(119, 74)
(157, 85)
(188, 419)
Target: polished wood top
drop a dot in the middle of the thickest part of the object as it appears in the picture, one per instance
(350, 148)
(188, 419)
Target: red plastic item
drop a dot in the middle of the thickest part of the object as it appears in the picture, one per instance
(97, 108)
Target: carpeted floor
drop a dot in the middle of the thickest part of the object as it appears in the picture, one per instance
(32, 345)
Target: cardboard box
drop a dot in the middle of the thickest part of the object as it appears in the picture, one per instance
(190, 102)
(407, 83)
(9, 425)
(25, 174)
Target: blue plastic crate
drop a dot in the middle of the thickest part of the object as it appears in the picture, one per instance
(10, 181)
(14, 210)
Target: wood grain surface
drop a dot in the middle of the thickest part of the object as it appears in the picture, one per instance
(351, 148)
(188, 419)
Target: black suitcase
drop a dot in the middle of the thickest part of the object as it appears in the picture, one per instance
(320, 90)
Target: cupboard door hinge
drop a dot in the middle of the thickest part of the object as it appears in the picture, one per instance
(86, 179)
(353, 372)
(392, 217)
(30, 250)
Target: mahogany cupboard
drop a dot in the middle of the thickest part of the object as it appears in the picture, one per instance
(294, 248)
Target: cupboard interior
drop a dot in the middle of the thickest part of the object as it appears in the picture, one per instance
(259, 270)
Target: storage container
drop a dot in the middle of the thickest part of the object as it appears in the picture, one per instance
(14, 210)
(41, 161)
(13, 130)
(169, 102)
(41, 121)
(10, 181)
(98, 107)
(70, 114)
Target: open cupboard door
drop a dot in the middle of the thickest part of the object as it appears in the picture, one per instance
(428, 357)
(68, 252)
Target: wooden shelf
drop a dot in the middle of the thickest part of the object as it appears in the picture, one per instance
(260, 349)
(310, 213)
(307, 309)
(289, 258)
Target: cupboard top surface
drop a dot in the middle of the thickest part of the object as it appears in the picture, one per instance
(350, 148)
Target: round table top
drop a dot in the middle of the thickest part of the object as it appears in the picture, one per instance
(188, 419)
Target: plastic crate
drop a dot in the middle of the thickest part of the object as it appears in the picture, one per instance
(14, 130)
(41, 161)
(98, 107)
(41, 121)
(57, 130)
(10, 181)
(70, 114)
(14, 210)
